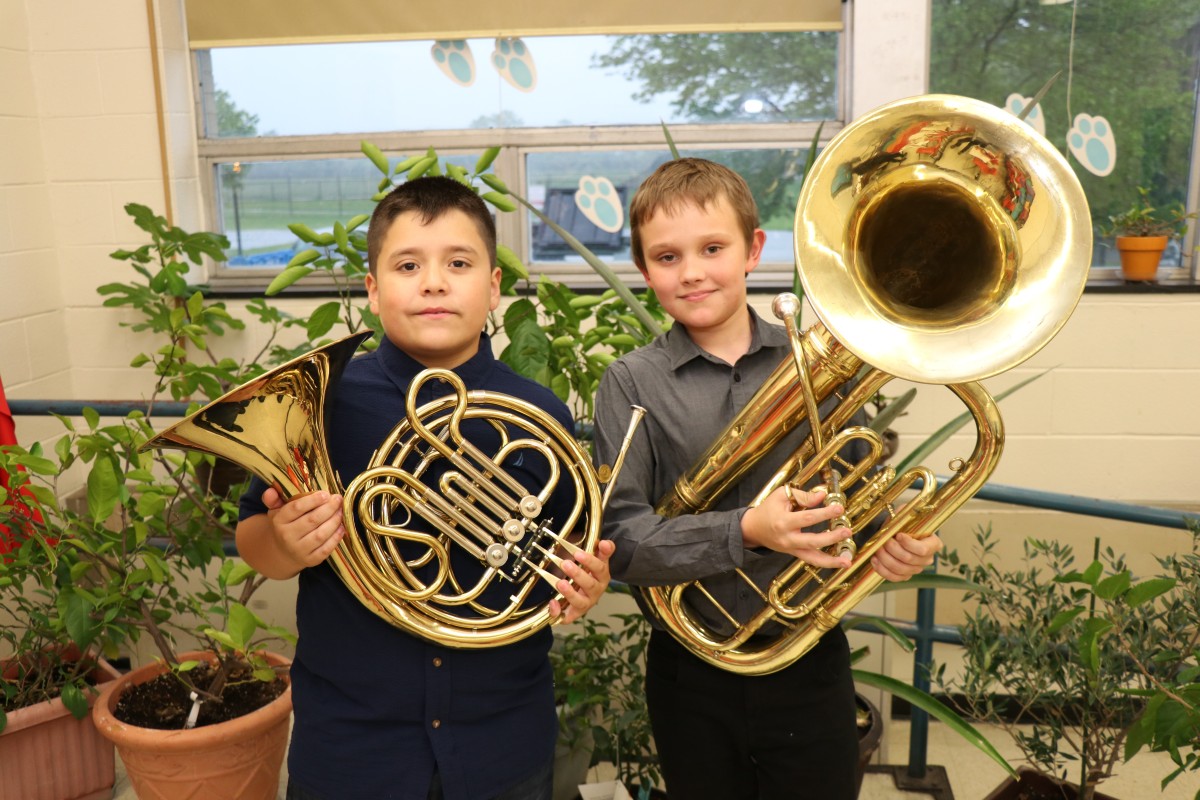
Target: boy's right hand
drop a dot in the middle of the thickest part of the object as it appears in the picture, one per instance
(779, 523)
(308, 527)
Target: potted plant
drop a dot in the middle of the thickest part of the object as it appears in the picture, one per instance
(144, 555)
(600, 675)
(49, 686)
(1170, 720)
(1059, 658)
(1141, 234)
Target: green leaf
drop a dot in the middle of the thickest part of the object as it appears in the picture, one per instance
(376, 155)
(304, 257)
(76, 613)
(304, 233)
(670, 141)
(74, 700)
(486, 159)
(405, 165)
(421, 167)
(921, 453)
(872, 622)
(936, 709)
(286, 278)
(881, 421)
(1113, 585)
(1147, 590)
(103, 489)
(322, 319)
(507, 260)
(1063, 618)
(242, 624)
(356, 220)
(930, 580)
(240, 572)
(499, 201)
(494, 181)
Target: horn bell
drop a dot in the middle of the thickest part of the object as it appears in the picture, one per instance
(942, 240)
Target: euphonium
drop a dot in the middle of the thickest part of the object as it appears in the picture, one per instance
(461, 578)
(939, 240)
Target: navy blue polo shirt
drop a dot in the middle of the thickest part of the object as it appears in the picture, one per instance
(378, 710)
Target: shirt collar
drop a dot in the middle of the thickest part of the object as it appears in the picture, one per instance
(682, 349)
(403, 368)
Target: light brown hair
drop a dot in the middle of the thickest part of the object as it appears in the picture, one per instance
(689, 180)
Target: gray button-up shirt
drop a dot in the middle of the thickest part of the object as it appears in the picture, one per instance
(689, 396)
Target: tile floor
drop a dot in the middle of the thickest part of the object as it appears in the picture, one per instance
(971, 774)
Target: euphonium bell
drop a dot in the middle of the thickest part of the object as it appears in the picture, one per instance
(940, 240)
(456, 564)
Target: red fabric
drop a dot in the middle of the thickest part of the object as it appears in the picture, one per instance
(9, 540)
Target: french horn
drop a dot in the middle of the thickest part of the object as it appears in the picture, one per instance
(454, 563)
(939, 240)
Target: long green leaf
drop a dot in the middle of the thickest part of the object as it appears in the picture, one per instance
(670, 141)
(942, 434)
(932, 706)
(929, 580)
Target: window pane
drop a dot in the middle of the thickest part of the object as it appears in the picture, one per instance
(579, 80)
(555, 179)
(259, 199)
(1134, 63)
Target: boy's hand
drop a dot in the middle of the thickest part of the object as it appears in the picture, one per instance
(903, 556)
(584, 584)
(307, 528)
(779, 522)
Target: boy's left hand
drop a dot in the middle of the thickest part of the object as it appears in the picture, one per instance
(587, 578)
(903, 556)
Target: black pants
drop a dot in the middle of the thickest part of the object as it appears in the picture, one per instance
(722, 736)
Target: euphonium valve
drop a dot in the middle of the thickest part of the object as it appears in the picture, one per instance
(939, 240)
(442, 540)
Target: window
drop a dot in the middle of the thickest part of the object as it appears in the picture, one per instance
(1133, 62)
(278, 150)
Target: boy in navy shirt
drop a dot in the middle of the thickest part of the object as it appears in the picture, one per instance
(380, 713)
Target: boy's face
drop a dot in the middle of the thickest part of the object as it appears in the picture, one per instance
(433, 287)
(696, 263)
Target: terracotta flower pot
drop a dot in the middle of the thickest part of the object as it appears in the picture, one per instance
(47, 754)
(1140, 256)
(240, 758)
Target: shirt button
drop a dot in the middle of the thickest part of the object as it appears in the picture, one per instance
(437, 723)
(737, 377)
(437, 662)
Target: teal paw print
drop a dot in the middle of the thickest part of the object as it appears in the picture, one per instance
(454, 58)
(514, 62)
(600, 203)
(1034, 119)
(1091, 141)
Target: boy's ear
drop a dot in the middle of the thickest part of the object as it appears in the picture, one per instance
(495, 288)
(757, 240)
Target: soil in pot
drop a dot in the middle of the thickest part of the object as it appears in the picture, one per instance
(164, 702)
(1034, 785)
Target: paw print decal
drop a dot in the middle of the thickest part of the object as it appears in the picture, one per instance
(514, 62)
(1091, 141)
(600, 203)
(1016, 104)
(454, 58)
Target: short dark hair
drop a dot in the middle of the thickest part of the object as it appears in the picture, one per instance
(689, 180)
(429, 197)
